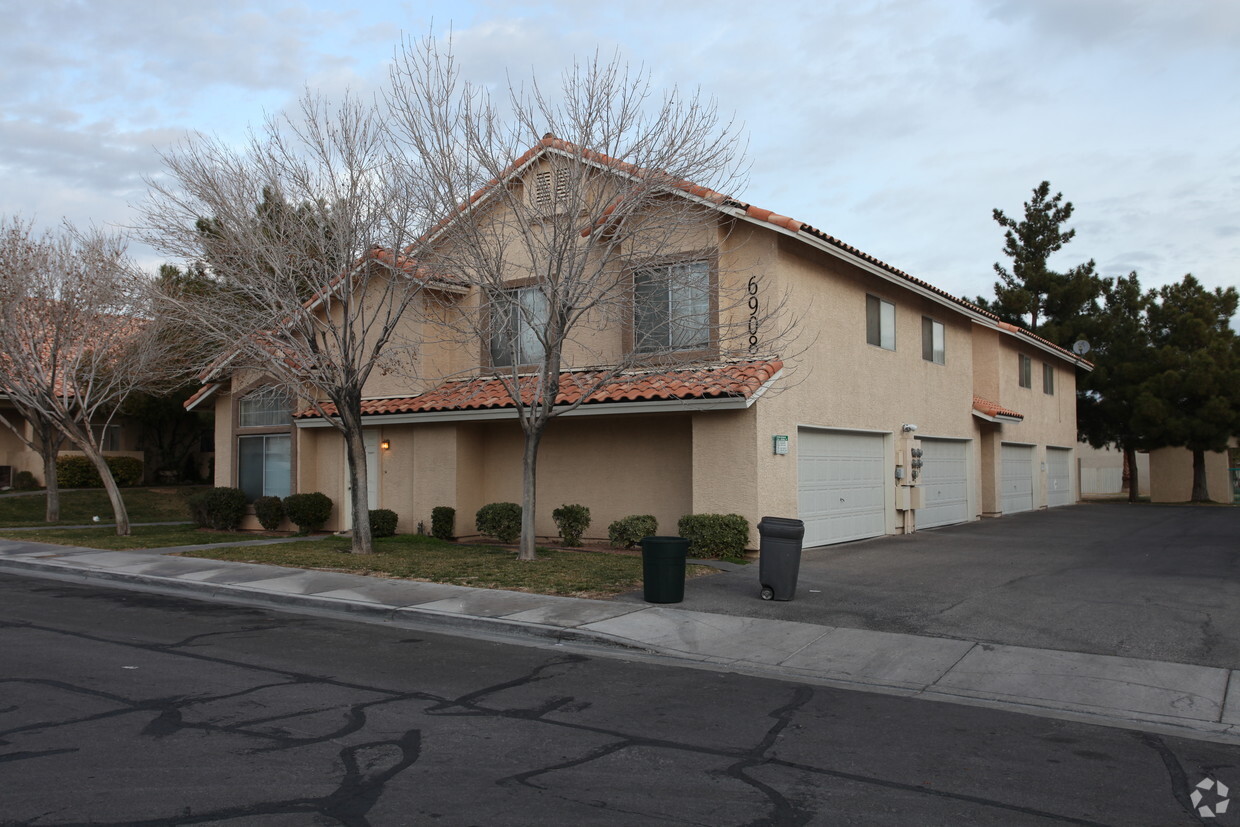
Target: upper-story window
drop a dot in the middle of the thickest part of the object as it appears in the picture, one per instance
(1048, 378)
(518, 317)
(671, 308)
(265, 408)
(880, 323)
(1026, 371)
(933, 345)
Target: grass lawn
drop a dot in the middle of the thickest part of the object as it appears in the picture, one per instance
(567, 573)
(145, 505)
(142, 537)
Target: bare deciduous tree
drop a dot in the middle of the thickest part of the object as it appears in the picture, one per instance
(329, 211)
(599, 248)
(77, 336)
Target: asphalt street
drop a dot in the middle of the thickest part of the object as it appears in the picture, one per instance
(1154, 582)
(127, 708)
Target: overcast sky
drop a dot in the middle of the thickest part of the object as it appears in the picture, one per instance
(894, 125)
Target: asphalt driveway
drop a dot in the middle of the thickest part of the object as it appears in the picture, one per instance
(1145, 581)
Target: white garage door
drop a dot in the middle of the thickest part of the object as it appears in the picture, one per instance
(1059, 477)
(841, 486)
(1017, 478)
(944, 482)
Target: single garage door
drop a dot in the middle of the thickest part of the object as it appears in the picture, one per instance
(841, 486)
(1059, 477)
(944, 482)
(1017, 478)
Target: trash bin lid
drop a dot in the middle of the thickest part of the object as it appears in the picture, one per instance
(782, 527)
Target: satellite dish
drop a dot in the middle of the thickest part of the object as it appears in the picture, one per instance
(1080, 347)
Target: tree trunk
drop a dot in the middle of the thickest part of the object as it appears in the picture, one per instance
(114, 491)
(355, 447)
(50, 449)
(529, 478)
(1134, 476)
(1200, 493)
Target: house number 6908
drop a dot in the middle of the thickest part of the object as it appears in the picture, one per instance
(753, 314)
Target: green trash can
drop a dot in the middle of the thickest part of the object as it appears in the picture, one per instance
(663, 569)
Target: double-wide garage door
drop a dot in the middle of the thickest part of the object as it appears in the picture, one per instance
(944, 482)
(842, 485)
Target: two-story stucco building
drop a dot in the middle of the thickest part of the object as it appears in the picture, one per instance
(898, 407)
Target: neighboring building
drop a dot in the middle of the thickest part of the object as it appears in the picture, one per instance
(994, 408)
(119, 439)
(1171, 476)
(1102, 471)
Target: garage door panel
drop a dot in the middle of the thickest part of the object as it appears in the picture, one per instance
(1059, 477)
(1017, 478)
(944, 482)
(841, 487)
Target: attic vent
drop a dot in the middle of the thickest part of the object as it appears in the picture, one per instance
(550, 188)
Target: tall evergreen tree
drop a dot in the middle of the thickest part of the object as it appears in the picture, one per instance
(1107, 397)
(1032, 295)
(1192, 397)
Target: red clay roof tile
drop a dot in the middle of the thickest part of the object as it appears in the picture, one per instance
(983, 405)
(740, 380)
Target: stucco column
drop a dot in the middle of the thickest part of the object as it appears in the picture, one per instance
(991, 461)
(725, 465)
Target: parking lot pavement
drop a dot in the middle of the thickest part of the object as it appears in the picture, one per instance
(1140, 581)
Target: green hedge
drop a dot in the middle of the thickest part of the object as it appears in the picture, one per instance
(715, 535)
(218, 508)
(572, 520)
(308, 511)
(499, 520)
(270, 512)
(443, 522)
(76, 471)
(25, 481)
(629, 531)
(382, 522)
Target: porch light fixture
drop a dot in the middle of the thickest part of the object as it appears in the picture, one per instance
(386, 444)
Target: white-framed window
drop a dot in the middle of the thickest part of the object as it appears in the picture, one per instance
(267, 407)
(671, 307)
(880, 323)
(1026, 371)
(933, 343)
(1048, 378)
(265, 465)
(518, 317)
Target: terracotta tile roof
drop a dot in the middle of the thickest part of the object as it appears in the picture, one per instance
(203, 392)
(993, 409)
(738, 380)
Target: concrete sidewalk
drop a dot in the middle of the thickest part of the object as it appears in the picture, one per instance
(1182, 699)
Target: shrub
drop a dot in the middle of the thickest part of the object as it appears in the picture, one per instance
(270, 512)
(443, 522)
(382, 522)
(572, 520)
(629, 531)
(218, 508)
(125, 470)
(308, 511)
(500, 520)
(715, 535)
(76, 471)
(24, 481)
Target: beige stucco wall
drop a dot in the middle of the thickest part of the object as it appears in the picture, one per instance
(1171, 476)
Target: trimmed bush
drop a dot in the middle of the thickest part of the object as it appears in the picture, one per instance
(382, 522)
(572, 520)
(218, 508)
(629, 531)
(270, 512)
(308, 511)
(443, 522)
(76, 471)
(499, 520)
(125, 470)
(25, 481)
(715, 535)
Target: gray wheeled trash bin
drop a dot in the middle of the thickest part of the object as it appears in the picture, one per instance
(780, 556)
